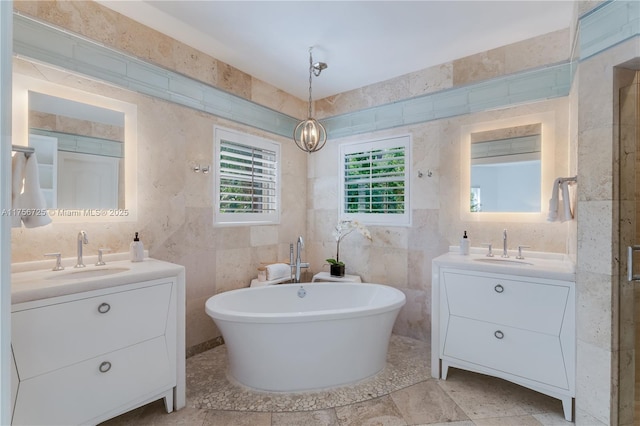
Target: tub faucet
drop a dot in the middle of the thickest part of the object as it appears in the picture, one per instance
(299, 264)
(504, 244)
(82, 239)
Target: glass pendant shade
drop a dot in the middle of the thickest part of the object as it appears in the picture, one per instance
(310, 135)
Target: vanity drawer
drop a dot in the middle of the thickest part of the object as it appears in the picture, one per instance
(523, 353)
(54, 336)
(79, 393)
(532, 305)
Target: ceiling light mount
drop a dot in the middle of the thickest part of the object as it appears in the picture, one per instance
(318, 67)
(309, 135)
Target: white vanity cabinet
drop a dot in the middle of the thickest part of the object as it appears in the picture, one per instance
(510, 322)
(85, 357)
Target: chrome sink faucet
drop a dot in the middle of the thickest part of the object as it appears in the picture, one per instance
(82, 239)
(504, 244)
(299, 264)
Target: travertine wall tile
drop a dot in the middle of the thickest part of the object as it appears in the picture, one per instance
(200, 327)
(263, 235)
(430, 80)
(593, 388)
(596, 171)
(414, 320)
(419, 274)
(594, 237)
(481, 66)
(274, 98)
(233, 81)
(325, 163)
(538, 51)
(425, 190)
(593, 313)
(324, 192)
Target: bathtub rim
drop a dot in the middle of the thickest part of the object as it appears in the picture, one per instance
(394, 303)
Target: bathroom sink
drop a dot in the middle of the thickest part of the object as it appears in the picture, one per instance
(87, 273)
(502, 260)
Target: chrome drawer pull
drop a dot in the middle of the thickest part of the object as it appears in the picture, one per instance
(499, 288)
(105, 366)
(499, 334)
(104, 308)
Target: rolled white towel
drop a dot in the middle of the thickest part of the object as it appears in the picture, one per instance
(553, 202)
(278, 270)
(17, 178)
(32, 198)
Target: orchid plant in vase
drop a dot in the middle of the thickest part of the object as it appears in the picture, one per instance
(342, 229)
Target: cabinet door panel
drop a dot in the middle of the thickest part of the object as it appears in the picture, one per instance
(533, 306)
(55, 336)
(78, 393)
(530, 355)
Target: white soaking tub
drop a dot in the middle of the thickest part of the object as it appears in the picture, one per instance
(299, 337)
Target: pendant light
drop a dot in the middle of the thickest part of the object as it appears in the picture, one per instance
(309, 134)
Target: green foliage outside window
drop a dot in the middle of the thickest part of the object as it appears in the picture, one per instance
(374, 181)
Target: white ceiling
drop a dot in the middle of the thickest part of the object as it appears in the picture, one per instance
(363, 42)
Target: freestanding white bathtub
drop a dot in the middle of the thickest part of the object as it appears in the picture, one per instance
(299, 337)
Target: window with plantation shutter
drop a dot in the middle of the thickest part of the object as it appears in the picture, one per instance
(247, 186)
(375, 181)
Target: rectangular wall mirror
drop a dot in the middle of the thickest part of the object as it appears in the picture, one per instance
(506, 168)
(80, 151)
(85, 146)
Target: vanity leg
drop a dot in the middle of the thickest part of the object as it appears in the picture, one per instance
(168, 401)
(445, 370)
(567, 407)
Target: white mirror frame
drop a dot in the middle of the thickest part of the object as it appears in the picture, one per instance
(547, 120)
(20, 131)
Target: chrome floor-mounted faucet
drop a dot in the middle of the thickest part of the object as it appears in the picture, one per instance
(82, 239)
(298, 264)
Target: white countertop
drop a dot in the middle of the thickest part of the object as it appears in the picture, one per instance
(39, 284)
(554, 266)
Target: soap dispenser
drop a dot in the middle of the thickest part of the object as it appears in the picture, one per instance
(136, 250)
(464, 244)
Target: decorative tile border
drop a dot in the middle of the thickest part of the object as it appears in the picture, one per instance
(533, 85)
(46, 43)
(607, 25)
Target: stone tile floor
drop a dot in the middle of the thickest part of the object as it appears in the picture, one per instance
(404, 393)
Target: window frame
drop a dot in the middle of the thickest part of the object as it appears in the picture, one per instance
(253, 141)
(383, 219)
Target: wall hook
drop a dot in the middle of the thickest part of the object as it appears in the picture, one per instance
(202, 168)
(429, 173)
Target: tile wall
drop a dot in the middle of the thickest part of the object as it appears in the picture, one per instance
(175, 213)
(175, 216)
